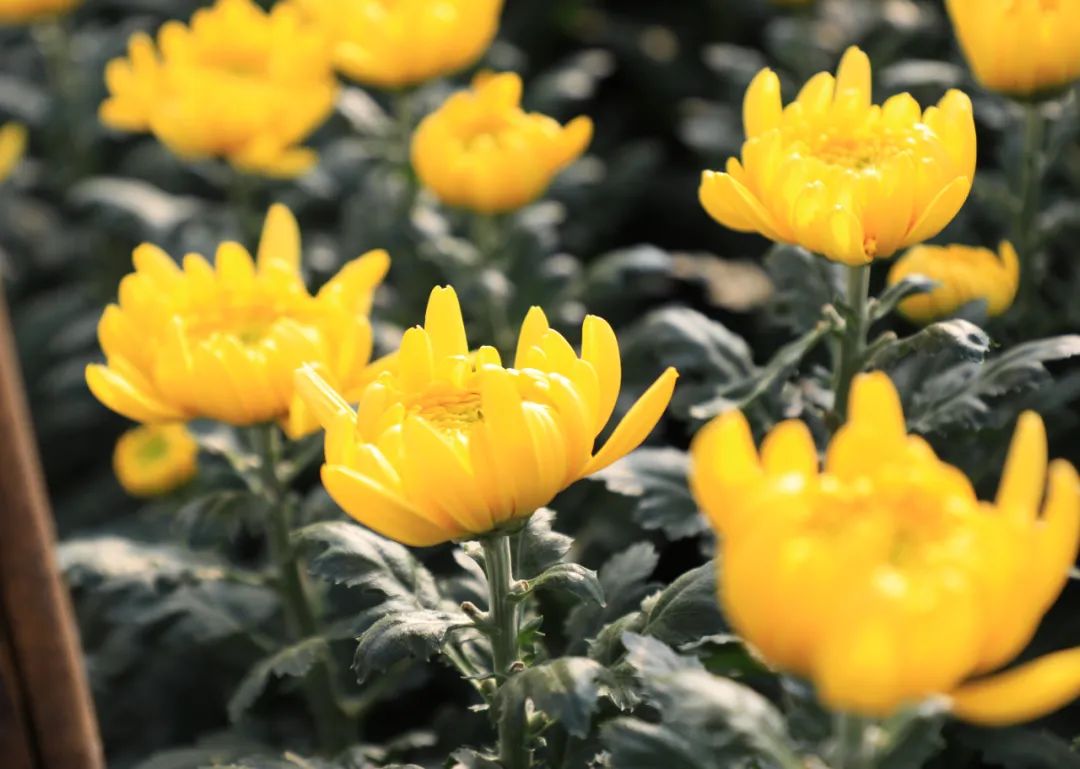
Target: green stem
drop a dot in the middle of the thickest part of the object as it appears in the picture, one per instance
(243, 195)
(1025, 236)
(490, 241)
(851, 747)
(54, 43)
(503, 631)
(334, 728)
(853, 344)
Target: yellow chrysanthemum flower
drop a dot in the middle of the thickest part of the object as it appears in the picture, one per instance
(840, 176)
(481, 150)
(448, 445)
(223, 342)
(26, 11)
(12, 147)
(404, 42)
(150, 460)
(964, 274)
(881, 577)
(238, 83)
(1019, 47)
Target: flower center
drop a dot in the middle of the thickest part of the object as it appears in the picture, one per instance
(248, 324)
(449, 410)
(857, 153)
(152, 450)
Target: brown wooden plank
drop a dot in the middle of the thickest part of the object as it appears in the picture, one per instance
(15, 746)
(34, 604)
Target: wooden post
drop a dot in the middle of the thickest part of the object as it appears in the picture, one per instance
(35, 610)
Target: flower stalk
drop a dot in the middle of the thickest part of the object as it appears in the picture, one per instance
(1025, 231)
(503, 632)
(489, 236)
(851, 744)
(333, 725)
(853, 342)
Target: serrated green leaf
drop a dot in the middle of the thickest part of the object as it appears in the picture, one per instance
(565, 688)
(417, 633)
(911, 285)
(954, 340)
(572, 578)
(685, 610)
(640, 745)
(970, 394)
(1019, 748)
(656, 479)
(723, 719)
(804, 284)
(650, 657)
(294, 661)
(624, 579)
(741, 394)
(539, 545)
(351, 555)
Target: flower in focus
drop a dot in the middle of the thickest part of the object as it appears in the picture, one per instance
(26, 11)
(238, 83)
(405, 42)
(481, 150)
(222, 342)
(964, 274)
(449, 444)
(881, 577)
(1019, 47)
(840, 176)
(12, 147)
(151, 460)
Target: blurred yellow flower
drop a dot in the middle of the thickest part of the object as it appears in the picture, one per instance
(238, 83)
(155, 459)
(25, 11)
(882, 578)
(404, 42)
(448, 445)
(481, 150)
(222, 342)
(840, 176)
(12, 147)
(964, 274)
(1019, 47)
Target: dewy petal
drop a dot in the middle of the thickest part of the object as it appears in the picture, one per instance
(380, 509)
(532, 331)
(789, 449)
(637, 424)
(121, 396)
(762, 107)
(600, 347)
(445, 475)
(280, 241)
(875, 401)
(734, 206)
(940, 211)
(1024, 476)
(1022, 694)
(325, 403)
(854, 75)
(444, 324)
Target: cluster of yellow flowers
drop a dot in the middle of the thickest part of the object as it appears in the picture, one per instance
(841, 176)
(450, 444)
(222, 342)
(881, 577)
(878, 575)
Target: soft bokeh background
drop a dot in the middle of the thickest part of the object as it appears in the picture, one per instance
(620, 234)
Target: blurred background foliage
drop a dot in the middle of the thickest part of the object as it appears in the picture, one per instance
(169, 624)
